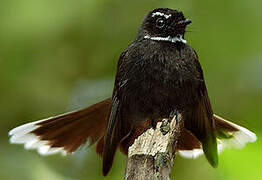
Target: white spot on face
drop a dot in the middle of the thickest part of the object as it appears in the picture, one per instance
(178, 38)
(161, 14)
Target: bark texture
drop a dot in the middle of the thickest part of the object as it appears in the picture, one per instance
(152, 154)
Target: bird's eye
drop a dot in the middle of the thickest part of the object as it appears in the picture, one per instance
(160, 22)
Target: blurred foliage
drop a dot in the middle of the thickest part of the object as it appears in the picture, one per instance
(60, 55)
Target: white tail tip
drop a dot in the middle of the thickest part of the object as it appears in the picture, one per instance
(23, 135)
(238, 140)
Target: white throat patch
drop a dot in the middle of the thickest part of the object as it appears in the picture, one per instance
(161, 14)
(168, 38)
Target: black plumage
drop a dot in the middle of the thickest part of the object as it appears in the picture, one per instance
(158, 76)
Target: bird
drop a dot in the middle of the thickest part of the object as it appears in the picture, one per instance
(158, 76)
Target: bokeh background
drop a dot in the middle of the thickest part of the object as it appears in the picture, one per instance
(60, 55)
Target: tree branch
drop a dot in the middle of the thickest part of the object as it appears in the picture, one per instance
(152, 154)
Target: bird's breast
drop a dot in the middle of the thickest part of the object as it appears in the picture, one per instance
(157, 88)
(159, 80)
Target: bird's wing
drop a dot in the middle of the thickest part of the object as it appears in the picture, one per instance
(114, 133)
(199, 120)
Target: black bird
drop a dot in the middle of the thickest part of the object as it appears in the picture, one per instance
(158, 76)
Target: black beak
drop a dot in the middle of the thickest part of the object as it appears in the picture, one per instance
(178, 28)
(184, 22)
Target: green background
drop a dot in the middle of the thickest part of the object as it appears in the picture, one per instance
(59, 55)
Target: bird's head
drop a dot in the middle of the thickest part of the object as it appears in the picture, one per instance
(164, 24)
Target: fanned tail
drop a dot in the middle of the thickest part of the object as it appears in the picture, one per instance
(231, 135)
(64, 133)
(228, 134)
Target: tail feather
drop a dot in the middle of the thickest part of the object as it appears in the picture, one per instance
(228, 134)
(188, 141)
(64, 133)
(188, 145)
(233, 135)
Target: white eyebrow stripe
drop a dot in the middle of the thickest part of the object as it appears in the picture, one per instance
(168, 38)
(161, 14)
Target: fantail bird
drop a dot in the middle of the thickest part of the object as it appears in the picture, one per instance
(158, 75)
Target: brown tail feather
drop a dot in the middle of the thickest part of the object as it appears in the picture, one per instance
(221, 123)
(68, 131)
(187, 140)
(228, 134)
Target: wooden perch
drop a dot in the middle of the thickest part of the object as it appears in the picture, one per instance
(152, 154)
